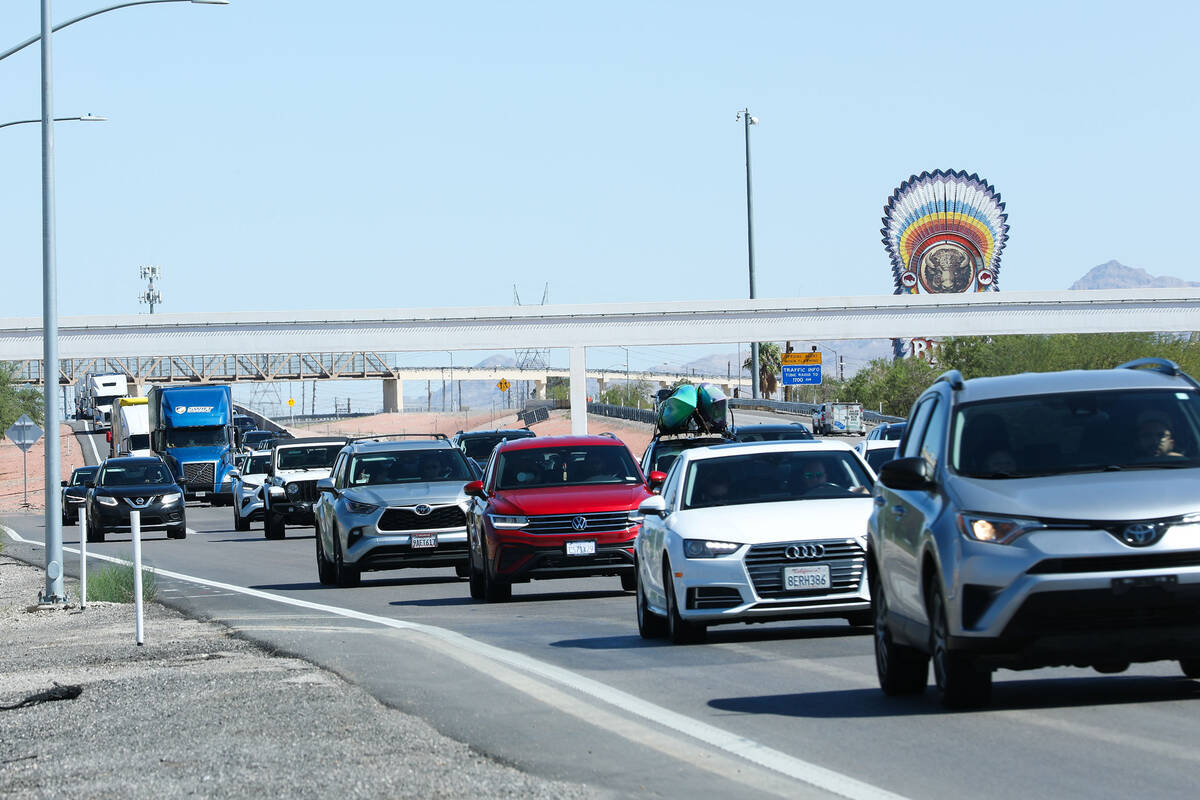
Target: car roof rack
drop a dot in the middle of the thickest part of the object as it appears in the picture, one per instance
(381, 437)
(952, 377)
(609, 434)
(1160, 365)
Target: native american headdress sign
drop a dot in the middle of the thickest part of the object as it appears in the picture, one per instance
(944, 232)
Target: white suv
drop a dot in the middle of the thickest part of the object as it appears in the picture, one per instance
(291, 487)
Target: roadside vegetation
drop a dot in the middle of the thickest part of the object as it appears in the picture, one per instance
(16, 399)
(114, 584)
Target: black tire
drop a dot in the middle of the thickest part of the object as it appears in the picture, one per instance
(94, 533)
(274, 527)
(240, 523)
(629, 581)
(1190, 667)
(494, 591)
(861, 619)
(476, 578)
(901, 670)
(326, 573)
(177, 533)
(650, 625)
(679, 630)
(462, 570)
(960, 681)
(346, 576)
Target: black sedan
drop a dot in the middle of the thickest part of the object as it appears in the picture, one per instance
(74, 493)
(127, 484)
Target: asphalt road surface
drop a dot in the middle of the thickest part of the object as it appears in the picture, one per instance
(558, 683)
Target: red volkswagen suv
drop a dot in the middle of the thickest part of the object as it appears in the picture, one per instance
(553, 507)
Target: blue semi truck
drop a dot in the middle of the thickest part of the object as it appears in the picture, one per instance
(191, 427)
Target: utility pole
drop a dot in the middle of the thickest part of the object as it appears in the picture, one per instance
(744, 116)
(151, 295)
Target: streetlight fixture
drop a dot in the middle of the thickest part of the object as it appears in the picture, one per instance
(86, 118)
(54, 592)
(748, 120)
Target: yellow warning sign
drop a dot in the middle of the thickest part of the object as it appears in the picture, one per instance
(793, 359)
(503, 385)
(291, 402)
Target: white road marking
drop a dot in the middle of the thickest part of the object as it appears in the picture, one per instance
(91, 440)
(459, 645)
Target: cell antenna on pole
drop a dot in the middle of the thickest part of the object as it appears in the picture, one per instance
(152, 294)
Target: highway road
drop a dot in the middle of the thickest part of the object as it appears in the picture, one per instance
(559, 683)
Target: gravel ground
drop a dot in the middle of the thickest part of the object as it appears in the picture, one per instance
(197, 712)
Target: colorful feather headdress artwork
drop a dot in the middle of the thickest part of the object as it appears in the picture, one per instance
(944, 231)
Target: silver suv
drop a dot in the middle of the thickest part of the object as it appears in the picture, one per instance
(389, 505)
(1039, 520)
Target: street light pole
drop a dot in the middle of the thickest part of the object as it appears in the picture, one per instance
(744, 116)
(86, 118)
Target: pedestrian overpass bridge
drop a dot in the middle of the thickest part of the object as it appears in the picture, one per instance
(578, 327)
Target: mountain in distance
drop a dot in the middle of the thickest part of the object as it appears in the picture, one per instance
(1115, 275)
(498, 361)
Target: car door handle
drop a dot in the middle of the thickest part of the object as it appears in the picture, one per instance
(898, 511)
(879, 501)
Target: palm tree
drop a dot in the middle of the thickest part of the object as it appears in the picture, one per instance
(768, 367)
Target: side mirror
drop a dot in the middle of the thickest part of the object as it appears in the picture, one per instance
(62, 483)
(653, 506)
(474, 489)
(326, 485)
(233, 473)
(90, 484)
(906, 473)
(657, 479)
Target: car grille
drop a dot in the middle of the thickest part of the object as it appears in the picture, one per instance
(1049, 566)
(558, 524)
(308, 491)
(199, 474)
(765, 563)
(713, 597)
(1093, 611)
(141, 501)
(405, 519)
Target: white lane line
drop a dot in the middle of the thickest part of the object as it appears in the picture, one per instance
(91, 440)
(812, 774)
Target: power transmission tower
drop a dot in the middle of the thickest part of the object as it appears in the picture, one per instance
(531, 358)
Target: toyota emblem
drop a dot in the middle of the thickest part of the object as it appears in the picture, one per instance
(579, 523)
(1140, 534)
(423, 510)
(795, 551)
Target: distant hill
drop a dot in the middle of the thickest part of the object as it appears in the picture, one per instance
(1115, 275)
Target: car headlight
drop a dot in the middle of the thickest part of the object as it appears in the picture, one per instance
(996, 530)
(171, 497)
(507, 523)
(293, 489)
(703, 548)
(105, 500)
(355, 507)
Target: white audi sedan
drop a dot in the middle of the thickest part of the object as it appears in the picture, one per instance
(755, 532)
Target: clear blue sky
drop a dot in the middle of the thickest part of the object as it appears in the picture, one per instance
(302, 154)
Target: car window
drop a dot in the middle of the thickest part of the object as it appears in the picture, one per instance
(566, 466)
(879, 456)
(339, 471)
(910, 444)
(83, 475)
(319, 456)
(1071, 432)
(933, 442)
(407, 466)
(671, 486)
(257, 465)
(774, 477)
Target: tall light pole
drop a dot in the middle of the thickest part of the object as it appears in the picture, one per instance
(85, 118)
(54, 570)
(744, 116)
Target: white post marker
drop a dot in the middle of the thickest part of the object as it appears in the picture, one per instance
(83, 557)
(135, 523)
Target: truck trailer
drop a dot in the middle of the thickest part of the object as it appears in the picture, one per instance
(96, 394)
(191, 427)
(130, 434)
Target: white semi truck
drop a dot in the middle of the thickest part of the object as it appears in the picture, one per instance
(96, 394)
(130, 434)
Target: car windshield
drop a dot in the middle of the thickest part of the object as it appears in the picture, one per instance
(892, 432)
(879, 456)
(134, 474)
(665, 452)
(774, 477)
(318, 456)
(777, 435)
(213, 436)
(139, 441)
(480, 447)
(257, 465)
(83, 475)
(566, 466)
(1094, 431)
(409, 466)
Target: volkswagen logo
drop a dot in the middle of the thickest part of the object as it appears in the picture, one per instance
(795, 551)
(1140, 534)
(579, 523)
(423, 510)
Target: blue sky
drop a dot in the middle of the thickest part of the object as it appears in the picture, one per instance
(302, 154)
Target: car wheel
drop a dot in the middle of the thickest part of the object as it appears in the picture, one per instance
(629, 580)
(901, 670)
(650, 625)
(679, 630)
(326, 574)
(494, 591)
(240, 523)
(861, 619)
(476, 578)
(462, 570)
(179, 532)
(273, 526)
(1190, 667)
(961, 683)
(344, 575)
(94, 532)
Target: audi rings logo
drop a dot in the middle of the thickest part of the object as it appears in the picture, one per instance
(1140, 534)
(579, 523)
(423, 510)
(795, 551)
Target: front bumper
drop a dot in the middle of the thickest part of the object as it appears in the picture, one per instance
(298, 512)
(154, 516)
(370, 549)
(748, 585)
(522, 556)
(1079, 597)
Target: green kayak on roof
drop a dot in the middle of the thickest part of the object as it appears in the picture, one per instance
(676, 410)
(714, 406)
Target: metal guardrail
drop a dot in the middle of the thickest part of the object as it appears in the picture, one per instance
(622, 412)
(763, 404)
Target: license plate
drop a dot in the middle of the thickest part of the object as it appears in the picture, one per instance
(587, 548)
(427, 541)
(1166, 582)
(812, 576)
(201, 494)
